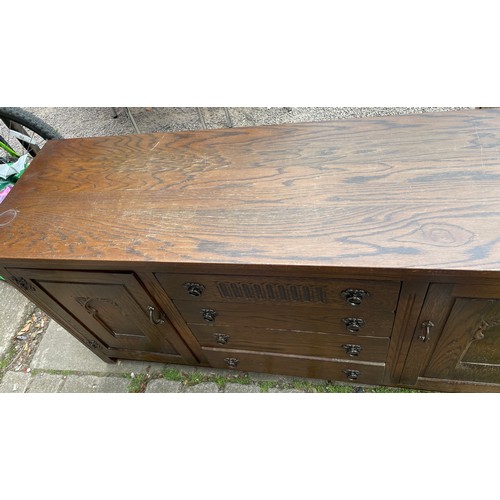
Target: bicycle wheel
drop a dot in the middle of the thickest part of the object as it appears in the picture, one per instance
(21, 132)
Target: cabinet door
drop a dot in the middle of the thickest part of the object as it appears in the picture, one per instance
(113, 307)
(457, 338)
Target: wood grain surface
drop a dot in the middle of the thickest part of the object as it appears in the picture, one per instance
(418, 191)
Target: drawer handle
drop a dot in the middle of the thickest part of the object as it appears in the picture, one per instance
(353, 325)
(158, 321)
(194, 289)
(352, 374)
(352, 349)
(231, 362)
(427, 335)
(221, 338)
(209, 315)
(354, 296)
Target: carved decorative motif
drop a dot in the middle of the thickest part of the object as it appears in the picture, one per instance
(93, 344)
(85, 302)
(24, 284)
(272, 291)
(480, 331)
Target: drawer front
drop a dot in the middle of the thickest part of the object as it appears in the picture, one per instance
(344, 371)
(312, 344)
(310, 292)
(280, 317)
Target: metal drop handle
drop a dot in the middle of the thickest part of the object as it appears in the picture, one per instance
(194, 289)
(158, 321)
(354, 296)
(352, 349)
(221, 338)
(427, 335)
(352, 374)
(231, 362)
(209, 315)
(353, 325)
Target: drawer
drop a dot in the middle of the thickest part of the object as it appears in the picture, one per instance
(325, 345)
(280, 317)
(295, 366)
(311, 292)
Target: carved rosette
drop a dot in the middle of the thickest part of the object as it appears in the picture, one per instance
(93, 344)
(24, 284)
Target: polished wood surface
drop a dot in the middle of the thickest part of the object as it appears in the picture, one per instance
(464, 342)
(274, 225)
(325, 292)
(298, 366)
(417, 191)
(309, 319)
(311, 344)
(109, 311)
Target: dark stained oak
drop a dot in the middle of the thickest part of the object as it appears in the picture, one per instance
(310, 319)
(113, 307)
(465, 339)
(311, 344)
(298, 366)
(127, 242)
(417, 191)
(325, 292)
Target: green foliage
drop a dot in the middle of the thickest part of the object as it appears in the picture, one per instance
(266, 385)
(138, 382)
(172, 374)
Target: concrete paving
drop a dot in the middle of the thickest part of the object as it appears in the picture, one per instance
(14, 309)
(61, 364)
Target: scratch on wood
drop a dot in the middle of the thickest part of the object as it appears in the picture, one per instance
(9, 215)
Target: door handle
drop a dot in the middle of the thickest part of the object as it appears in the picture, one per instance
(159, 321)
(427, 335)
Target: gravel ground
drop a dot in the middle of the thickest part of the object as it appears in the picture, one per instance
(87, 122)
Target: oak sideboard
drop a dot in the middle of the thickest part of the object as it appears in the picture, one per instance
(363, 251)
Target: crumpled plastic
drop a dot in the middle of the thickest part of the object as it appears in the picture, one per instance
(16, 168)
(10, 174)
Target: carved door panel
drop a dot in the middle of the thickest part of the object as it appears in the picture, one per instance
(114, 307)
(458, 336)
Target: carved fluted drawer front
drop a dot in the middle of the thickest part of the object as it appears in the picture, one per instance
(311, 292)
(313, 344)
(297, 366)
(282, 317)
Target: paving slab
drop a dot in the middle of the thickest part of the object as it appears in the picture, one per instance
(221, 372)
(203, 387)
(45, 383)
(165, 386)
(91, 383)
(14, 382)
(59, 350)
(241, 388)
(276, 390)
(269, 377)
(14, 310)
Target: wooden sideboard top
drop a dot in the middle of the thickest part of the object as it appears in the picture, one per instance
(418, 191)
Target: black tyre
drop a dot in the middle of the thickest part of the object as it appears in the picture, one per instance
(22, 133)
